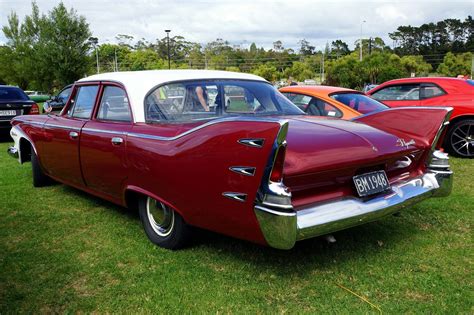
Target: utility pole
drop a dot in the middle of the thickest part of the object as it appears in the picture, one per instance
(322, 67)
(168, 40)
(472, 67)
(360, 43)
(115, 59)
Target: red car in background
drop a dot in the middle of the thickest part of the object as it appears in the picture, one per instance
(437, 91)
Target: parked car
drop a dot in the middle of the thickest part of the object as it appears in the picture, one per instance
(38, 96)
(437, 91)
(369, 87)
(14, 102)
(252, 166)
(58, 101)
(331, 101)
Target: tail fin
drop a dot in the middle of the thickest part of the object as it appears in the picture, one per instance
(424, 125)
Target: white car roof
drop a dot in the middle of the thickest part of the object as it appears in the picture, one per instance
(139, 83)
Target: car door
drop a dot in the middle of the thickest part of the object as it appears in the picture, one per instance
(398, 95)
(103, 142)
(60, 151)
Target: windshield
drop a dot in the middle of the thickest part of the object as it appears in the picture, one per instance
(12, 94)
(360, 102)
(206, 99)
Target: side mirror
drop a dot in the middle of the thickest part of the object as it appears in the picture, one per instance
(47, 108)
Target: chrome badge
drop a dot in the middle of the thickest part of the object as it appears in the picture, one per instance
(403, 143)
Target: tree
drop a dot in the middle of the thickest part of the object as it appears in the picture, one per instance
(305, 48)
(416, 65)
(339, 48)
(266, 71)
(47, 51)
(454, 65)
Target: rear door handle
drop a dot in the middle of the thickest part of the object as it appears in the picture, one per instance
(117, 140)
(73, 134)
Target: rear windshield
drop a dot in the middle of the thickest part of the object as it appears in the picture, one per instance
(207, 99)
(360, 102)
(12, 94)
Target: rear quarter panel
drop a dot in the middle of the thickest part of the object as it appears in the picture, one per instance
(191, 173)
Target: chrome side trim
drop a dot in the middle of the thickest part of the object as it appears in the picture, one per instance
(104, 131)
(257, 142)
(243, 170)
(61, 127)
(235, 196)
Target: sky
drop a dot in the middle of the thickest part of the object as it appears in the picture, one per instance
(242, 22)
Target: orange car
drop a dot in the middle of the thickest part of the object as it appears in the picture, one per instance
(331, 101)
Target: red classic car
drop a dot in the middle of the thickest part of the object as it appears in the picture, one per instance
(437, 91)
(227, 152)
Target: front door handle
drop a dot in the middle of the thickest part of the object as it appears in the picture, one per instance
(117, 140)
(73, 134)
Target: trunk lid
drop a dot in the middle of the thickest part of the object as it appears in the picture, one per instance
(324, 154)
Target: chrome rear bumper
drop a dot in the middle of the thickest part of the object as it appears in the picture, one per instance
(283, 227)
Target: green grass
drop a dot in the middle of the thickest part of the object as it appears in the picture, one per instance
(62, 250)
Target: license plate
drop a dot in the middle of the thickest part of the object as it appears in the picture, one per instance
(7, 112)
(371, 183)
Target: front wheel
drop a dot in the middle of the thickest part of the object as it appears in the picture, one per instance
(460, 139)
(162, 224)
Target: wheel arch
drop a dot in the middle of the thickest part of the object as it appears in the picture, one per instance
(132, 196)
(25, 150)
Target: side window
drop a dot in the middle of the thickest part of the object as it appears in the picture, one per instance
(429, 91)
(64, 95)
(405, 92)
(84, 101)
(299, 100)
(182, 101)
(313, 105)
(114, 105)
(240, 100)
(318, 107)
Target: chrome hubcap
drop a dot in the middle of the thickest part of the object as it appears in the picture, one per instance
(160, 216)
(462, 140)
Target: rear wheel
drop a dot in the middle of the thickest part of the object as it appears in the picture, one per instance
(460, 139)
(162, 224)
(40, 179)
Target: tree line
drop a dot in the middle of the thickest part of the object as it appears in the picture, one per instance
(48, 51)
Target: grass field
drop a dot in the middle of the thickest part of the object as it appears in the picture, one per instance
(62, 250)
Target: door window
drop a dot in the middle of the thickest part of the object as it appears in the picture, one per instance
(405, 92)
(84, 101)
(114, 105)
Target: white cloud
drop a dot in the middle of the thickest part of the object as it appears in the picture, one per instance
(250, 20)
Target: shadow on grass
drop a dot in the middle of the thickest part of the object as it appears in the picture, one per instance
(352, 244)
(5, 136)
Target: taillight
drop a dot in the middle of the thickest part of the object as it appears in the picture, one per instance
(34, 109)
(277, 171)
